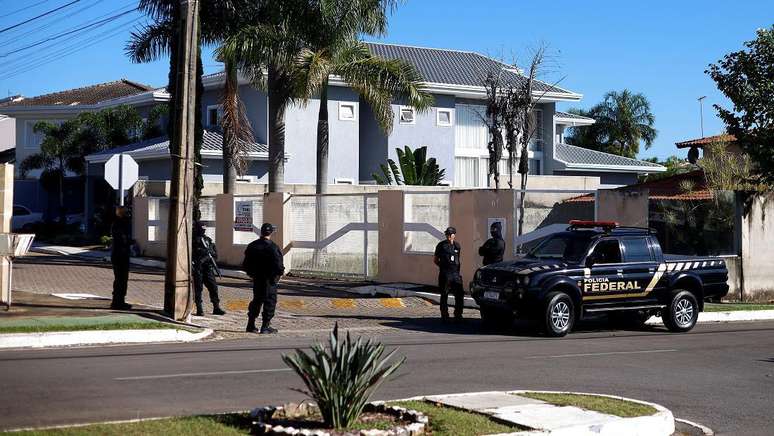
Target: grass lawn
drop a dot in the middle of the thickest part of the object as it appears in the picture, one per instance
(610, 406)
(729, 307)
(75, 323)
(226, 425)
(447, 421)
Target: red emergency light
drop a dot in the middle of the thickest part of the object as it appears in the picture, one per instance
(583, 224)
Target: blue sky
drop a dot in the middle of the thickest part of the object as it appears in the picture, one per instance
(658, 48)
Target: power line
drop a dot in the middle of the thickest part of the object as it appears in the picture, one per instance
(39, 16)
(66, 51)
(24, 9)
(95, 24)
(16, 39)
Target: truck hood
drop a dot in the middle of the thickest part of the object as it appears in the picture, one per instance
(526, 266)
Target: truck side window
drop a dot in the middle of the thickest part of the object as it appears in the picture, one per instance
(607, 251)
(637, 250)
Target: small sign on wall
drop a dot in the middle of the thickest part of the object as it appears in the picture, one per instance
(243, 216)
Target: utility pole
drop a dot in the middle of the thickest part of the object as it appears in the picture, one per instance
(177, 283)
(701, 113)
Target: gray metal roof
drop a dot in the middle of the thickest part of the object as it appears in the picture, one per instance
(212, 142)
(575, 156)
(453, 67)
(570, 116)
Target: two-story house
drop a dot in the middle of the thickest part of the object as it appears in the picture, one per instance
(452, 129)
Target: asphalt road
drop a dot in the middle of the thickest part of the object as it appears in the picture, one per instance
(721, 375)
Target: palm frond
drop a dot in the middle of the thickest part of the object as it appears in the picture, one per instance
(150, 42)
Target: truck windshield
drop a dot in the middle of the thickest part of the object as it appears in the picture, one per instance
(570, 246)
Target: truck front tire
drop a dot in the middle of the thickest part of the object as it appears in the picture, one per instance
(558, 314)
(682, 312)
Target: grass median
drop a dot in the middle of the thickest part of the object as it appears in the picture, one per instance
(607, 405)
(448, 421)
(735, 307)
(45, 324)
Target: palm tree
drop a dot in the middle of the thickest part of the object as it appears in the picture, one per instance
(266, 49)
(333, 49)
(59, 153)
(623, 121)
(414, 168)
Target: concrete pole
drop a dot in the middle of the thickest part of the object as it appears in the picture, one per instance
(177, 286)
(6, 211)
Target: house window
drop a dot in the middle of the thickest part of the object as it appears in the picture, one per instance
(444, 117)
(214, 114)
(347, 111)
(537, 136)
(466, 172)
(407, 115)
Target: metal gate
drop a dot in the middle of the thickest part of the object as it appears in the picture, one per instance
(335, 234)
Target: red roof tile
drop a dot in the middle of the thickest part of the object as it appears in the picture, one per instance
(701, 142)
(668, 188)
(86, 95)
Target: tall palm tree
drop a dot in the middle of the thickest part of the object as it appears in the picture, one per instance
(623, 121)
(333, 49)
(629, 121)
(266, 49)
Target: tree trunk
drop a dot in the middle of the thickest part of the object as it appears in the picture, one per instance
(321, 215)
(323, 133)
(231, 90)
(62, 218)
(277, 104)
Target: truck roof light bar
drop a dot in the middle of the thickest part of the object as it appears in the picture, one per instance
(583, 224)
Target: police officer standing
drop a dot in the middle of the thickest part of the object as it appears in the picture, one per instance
(447, 257)
(205, 268)
(121, 232)
(263, 263)
(494, 247)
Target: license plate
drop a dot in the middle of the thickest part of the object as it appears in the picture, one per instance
(492, 295)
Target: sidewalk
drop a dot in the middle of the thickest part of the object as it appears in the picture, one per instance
(548, 419)
(67, 319)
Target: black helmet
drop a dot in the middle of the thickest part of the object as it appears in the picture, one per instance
(267, 229)
(450, 231)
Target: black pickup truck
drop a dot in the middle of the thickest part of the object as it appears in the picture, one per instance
(595, 268)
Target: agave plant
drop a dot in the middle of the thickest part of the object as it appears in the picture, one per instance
(342, 378)
(415, 169)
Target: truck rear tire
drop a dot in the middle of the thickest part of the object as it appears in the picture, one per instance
(682, 312)
(558, 314)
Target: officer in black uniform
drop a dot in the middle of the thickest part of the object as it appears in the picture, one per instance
(447, 257)
(121, 231)
(205, 268)
(263, 263)
(494, 247)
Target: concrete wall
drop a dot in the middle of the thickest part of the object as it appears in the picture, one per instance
(606, 178)
(628, 208)
(757, 244)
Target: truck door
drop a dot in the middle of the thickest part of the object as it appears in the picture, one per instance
(641, 268)
(605, 270)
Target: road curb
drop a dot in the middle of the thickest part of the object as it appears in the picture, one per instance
(396, 292)
(702, 428)
(730, 316)
(99, 337)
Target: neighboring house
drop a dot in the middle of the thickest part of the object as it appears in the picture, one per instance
(64, 105)
(7, 139)
(700, 143)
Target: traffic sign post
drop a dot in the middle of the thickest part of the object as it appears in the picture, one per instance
(121, 172)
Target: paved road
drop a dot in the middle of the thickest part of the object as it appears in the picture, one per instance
(721, 375)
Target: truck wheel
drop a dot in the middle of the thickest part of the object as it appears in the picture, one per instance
(496, 319)
(682, 312)
(559, 314)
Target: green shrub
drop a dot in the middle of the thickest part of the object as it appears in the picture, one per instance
(106, 241)
(342, 378)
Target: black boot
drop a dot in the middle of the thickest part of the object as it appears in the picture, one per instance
(216, 310)
(267, 329)
(251, 326)
(199, 310)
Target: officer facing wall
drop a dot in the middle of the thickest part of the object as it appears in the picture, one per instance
(263, 263)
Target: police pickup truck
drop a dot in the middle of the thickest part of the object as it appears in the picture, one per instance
(599, 268)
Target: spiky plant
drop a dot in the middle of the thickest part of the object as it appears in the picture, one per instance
(413, 168)
(342, 377)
